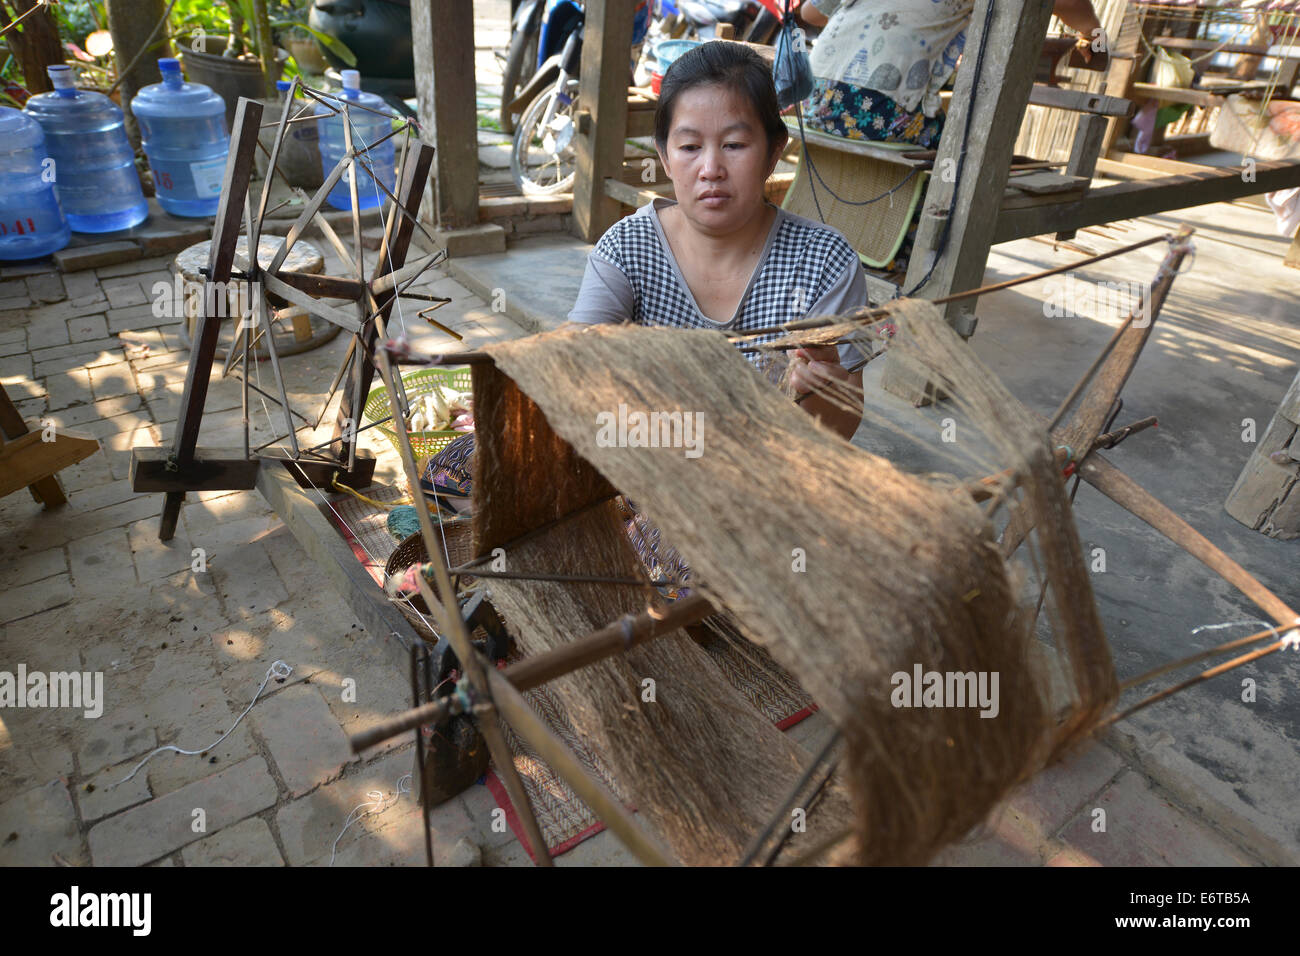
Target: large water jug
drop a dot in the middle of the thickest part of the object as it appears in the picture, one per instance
(367, 128)
(94, 165)
(183, 131)
(31, 223)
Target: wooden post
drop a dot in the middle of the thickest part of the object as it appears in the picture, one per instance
(998, 98)
(1084, 153)
(1266, 496)
(602, 94)
(444, 83)
(969, 208)
(132, 23)
(221, 259)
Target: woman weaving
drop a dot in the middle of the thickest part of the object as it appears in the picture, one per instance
(720, 257)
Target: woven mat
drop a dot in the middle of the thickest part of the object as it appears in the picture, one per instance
(875, 231)
(565, 820)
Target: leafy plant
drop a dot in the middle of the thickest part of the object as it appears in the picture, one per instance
(236, 19)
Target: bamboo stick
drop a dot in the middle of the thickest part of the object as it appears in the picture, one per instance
(457, 633)
(560, 759)
(1131, 496)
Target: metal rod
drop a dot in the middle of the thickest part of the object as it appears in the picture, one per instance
(567, 578)
(537, 670)
(1192, 681)
(780, 819)
(1198, 656)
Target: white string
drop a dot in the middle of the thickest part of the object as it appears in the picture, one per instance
(278, 669)
(376, 799)
(1291, 639)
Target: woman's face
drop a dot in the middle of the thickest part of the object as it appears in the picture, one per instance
(717, 157)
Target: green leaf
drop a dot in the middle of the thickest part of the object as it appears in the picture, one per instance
(331, 43)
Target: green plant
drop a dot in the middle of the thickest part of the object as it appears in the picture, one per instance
(237, 19)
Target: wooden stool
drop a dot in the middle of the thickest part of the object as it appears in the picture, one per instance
(303, 334)
(30, 459)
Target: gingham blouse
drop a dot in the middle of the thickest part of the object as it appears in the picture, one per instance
(806, 268)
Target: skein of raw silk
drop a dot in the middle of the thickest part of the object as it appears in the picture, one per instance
(896, 572)
(698, 761)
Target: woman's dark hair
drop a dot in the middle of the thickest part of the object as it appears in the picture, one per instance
(731, 65)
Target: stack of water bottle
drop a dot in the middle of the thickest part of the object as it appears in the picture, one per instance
(66, 164)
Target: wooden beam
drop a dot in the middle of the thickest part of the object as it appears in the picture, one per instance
(212, 469)
(607, 37)
(1080, 101)
(1131, 496)
(234, 187)
(1084, 153)
(1132, 199)
(444, 82)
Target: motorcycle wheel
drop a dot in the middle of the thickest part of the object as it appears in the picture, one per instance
(555, 174)
(521, 64)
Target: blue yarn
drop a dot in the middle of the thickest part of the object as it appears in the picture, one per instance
(403, 521)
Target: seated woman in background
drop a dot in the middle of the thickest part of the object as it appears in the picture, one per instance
(721, 256)
(879, 64)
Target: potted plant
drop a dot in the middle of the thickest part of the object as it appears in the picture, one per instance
(230, 47)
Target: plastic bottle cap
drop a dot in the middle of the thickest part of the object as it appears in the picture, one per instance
(169, 64)
(351, 79)
(61, 76)
(283, 85)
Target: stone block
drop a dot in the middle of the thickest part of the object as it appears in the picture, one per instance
(38, 824)
(155, 829)
(92, 257)
(304, 739)
(247, 843)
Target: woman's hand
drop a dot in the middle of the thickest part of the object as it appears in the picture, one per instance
(817, 368)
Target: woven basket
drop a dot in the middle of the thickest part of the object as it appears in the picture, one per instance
(460, 550)
(417, 384)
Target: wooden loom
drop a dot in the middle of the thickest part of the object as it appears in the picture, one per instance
(486, 693)
(1092, 399)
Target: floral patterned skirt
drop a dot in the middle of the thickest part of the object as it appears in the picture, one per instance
(449, 474)
(856, 112)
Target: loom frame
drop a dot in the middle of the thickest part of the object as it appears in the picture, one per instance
(491, 695)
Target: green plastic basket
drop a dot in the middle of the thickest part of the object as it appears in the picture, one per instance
(417, 384)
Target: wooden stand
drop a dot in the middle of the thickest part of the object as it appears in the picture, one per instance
(1266, 496)
(27, 460)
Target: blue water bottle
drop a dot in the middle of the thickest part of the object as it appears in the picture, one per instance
(31, 223)
(367, 128)
(183, 131)
(94, 165)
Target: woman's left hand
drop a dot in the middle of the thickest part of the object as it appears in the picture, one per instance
(815, 367)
